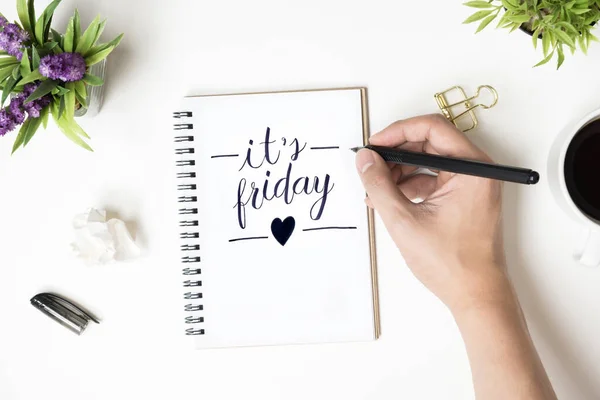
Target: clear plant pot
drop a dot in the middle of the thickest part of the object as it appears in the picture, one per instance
(95, 94)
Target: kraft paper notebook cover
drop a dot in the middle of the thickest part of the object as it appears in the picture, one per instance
(277, 246)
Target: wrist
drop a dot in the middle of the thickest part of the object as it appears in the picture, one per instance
(486, 287)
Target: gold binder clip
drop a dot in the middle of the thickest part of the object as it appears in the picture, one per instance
(466, 102)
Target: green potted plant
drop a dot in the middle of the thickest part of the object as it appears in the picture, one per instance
(559, 24)
(44, 72)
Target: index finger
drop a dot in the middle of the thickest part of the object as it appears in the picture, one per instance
(441, 135)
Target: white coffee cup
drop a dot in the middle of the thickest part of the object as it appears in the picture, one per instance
(587, 249)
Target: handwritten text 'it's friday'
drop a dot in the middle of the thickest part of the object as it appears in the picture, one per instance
(255, 196)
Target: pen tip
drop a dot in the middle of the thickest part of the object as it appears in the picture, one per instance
(355, 149)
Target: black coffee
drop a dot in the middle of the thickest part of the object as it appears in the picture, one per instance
(582, 169)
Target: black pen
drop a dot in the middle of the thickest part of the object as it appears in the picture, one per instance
(456, 165)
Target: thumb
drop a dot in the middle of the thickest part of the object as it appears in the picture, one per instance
(376, 177)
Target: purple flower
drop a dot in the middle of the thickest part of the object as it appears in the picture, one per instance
(14, 113)
(33, 109)
(44, 101)
(51, 66)
(7, 123)
(14, 49)
(16, 32)
(15, 110)
(4, 40)
(29, 89)
(12, 38)
(74, 67)
(67, 67)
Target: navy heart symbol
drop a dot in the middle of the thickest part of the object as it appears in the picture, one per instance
(282, 230)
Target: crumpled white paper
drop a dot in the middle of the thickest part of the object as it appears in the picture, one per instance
(98, 241)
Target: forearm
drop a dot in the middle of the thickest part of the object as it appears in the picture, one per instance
(504, 361)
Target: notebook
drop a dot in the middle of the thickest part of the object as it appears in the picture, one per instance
(277, 245)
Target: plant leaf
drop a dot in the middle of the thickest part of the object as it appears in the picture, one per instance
(99, 33)
(24, 15)
(25, 68)
(87, 40)
(96, 49)
(519, 18)
(579, 11)
(96, 58)
(16, 73)
(515, 26)
(80, 89)
(502, 20)
(76, 29)
(32, 76)
(507, 23)
(477, 16)
(49, 46)
(8, 87)
(588, 39)
(68, 131)
(569, 27)
(582, 44)
(5, 62)
(561, 57)
(546, 42)
(92, 80)
(73, 137)
(545, 60)
(45, 20)
(35, 58)
(61, 90)
(21, 136)
(82, 101)
(535, 36)
(486, 22)
(478, 4)
(566, 39)
(77, 129)
(39, 30)
(69, 36)
(5, 72)
(61, 107)
(31, 12)
(42, 90)
(509, 5)
(57, 37)
(31, 130)
(47, 27)
(44, 114)
(70, 102)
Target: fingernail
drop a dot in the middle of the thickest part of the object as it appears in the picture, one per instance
(364, 160)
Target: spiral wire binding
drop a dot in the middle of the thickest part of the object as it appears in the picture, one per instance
(189, 223)
(187, 199)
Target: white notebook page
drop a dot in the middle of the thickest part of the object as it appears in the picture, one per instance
(283, 229)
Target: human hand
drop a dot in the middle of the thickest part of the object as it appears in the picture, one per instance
(452, 240)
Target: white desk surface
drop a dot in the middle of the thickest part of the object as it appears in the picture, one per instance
(404, 52)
